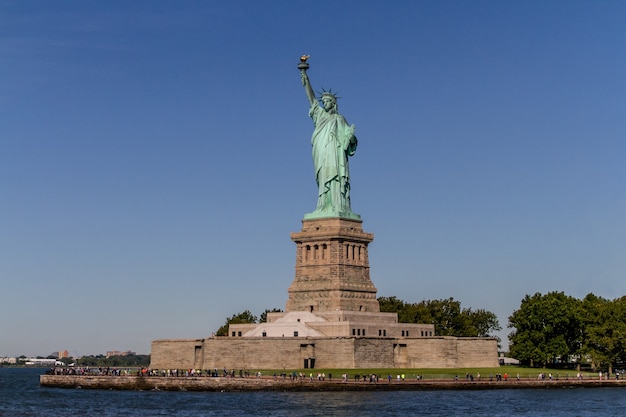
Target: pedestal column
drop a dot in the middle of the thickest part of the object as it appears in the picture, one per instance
(332, 267)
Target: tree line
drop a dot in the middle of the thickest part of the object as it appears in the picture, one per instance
(447, 316)
(556, 328)
(127, 361)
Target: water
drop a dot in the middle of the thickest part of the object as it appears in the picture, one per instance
(21, 395)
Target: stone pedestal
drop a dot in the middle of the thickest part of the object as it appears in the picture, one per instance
(332, 268)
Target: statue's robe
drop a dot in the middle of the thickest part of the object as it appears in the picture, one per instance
(333, 142)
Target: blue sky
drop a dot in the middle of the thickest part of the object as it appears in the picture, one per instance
(155, 157)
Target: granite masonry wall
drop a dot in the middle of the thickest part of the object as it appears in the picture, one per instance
(336, 352)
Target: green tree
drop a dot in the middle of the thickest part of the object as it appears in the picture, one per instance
(604, 334)
(547, 328)
(240, 318)
(114, 361)
(417, 313)
(391, 304)
(483, 323)
(90, 360)
(446, 314)
(448, 318)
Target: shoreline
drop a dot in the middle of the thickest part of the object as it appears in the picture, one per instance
(251, 384)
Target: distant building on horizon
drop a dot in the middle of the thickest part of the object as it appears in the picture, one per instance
(119, 353)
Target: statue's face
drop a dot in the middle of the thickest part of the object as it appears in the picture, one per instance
(329, 103)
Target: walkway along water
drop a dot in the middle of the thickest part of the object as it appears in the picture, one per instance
(236, 384)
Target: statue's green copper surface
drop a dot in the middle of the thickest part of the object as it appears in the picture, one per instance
(333, 142)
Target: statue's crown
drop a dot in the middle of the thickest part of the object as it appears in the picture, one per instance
(328, 93)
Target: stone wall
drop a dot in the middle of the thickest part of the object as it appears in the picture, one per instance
(304, 385)
(328, 352)
(439, 350)
(471, 350)
(372, 353)
(175, 353)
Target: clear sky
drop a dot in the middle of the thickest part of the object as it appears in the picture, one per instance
(155, 157)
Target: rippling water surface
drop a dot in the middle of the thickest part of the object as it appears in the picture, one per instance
(21, 395)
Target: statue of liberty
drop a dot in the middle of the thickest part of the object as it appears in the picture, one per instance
(333, 141)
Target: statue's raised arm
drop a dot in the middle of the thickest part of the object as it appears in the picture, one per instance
(303, 66)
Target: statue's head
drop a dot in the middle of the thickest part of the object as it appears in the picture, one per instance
(329, 100)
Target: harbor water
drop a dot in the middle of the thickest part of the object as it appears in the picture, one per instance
(21, 395)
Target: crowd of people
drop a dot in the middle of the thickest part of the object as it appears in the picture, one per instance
(108, 371)
(293, 376)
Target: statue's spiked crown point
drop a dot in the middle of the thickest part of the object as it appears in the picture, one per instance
(328, 93)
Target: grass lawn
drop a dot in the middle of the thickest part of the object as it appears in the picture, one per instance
(439, 374)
